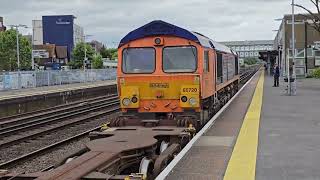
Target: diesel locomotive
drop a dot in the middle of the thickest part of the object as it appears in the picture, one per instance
(172, 75)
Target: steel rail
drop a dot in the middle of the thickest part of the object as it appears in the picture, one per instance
(46, 110)
(77, 121)
(45, 149)
(52, 119)
(50, 111)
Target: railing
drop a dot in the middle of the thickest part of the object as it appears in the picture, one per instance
(31, 79)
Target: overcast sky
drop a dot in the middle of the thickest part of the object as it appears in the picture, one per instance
(109, 20)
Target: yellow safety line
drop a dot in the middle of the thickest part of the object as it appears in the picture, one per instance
(242, 164)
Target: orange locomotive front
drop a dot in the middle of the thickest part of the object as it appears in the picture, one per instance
(166, 73)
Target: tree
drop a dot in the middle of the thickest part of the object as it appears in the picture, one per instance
(8, 51)
(97, 62)
(105, 53)
(111, 53)
(78, 55)
(314, 17)
(250, 61)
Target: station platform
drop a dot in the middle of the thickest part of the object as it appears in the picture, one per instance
(263, 134)
(13, 94)
(15, 102)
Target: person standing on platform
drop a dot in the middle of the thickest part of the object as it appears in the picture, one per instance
(276, 75)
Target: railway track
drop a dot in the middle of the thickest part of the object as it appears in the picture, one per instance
(245, 75)
(19, 134)
(46, 149)
(45, 111)
(21, 124)
(12, 122)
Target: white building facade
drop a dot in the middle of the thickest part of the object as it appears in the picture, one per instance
(78, 35)
(37, 31)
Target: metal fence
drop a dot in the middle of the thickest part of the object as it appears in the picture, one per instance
(31, 79)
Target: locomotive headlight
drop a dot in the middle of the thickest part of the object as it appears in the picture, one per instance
(157, 41)
(184, 99)
(193, 101)
(126, 101)
(134, 99)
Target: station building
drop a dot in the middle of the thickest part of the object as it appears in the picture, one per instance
(306, 42)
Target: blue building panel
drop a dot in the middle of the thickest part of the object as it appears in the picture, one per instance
(58, 30)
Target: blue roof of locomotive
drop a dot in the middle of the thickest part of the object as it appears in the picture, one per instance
(156, 28)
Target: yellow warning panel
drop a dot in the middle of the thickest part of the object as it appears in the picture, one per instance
(242, 164)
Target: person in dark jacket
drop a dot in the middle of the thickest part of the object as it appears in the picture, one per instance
(276, 75)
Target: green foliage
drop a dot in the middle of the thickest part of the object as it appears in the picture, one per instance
(250, 61)
(316, 73)
(111, 53)
(97, 62)
(75, 64)
(78, 55)
(8, 51)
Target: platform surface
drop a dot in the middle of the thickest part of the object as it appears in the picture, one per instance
(4, 95)
(208, 158)
(289, 135)
(278, 140)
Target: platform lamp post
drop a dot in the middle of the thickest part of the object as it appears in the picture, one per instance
(292, 87)
(85, 51)
(18, 49)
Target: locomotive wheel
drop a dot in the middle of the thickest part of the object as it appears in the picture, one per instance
(160, 164)
(146, 166)
(164, 145)
(164, 158)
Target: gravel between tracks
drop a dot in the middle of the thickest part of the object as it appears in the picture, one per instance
(50, 158)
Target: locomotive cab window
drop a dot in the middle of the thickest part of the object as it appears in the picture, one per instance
(138, 60)
(237, 66)
(219, 69)
(206, 61)
(179, 59)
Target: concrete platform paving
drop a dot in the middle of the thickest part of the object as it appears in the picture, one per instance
(289, 135)
(5, 95)
(289, 138)
(208, 158)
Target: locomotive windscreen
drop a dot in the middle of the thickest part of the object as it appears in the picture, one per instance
(138, 60)
(179, 59)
